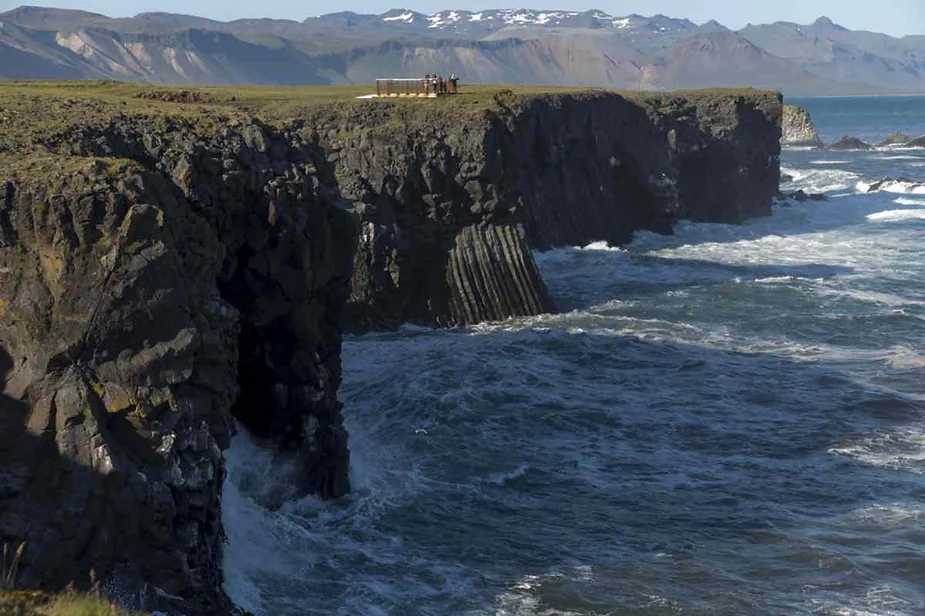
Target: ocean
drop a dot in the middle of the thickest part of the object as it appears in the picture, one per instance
(729, 420)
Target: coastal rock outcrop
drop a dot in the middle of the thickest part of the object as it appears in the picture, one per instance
(529, 172)
(801, 196)
(158, 277)
(918, 142)
(897, 185)
(850, 144)
(798, 128)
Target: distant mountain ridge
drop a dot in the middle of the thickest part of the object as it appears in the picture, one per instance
(522, 46)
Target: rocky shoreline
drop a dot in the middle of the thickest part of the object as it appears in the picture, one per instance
(170, 266)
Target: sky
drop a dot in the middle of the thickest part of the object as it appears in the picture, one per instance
(896, 17)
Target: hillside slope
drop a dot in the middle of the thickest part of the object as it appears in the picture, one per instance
(521, 46)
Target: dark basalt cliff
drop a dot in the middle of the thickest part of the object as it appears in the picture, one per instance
(158, 277)
(170, 261)
(451, 201)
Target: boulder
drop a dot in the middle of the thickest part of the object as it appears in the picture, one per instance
(802, 196)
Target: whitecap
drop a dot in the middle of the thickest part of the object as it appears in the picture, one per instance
(502, 478)
(898, 215)
(604, 246)
(906, 201)
(889, 515)
(902, 449)
(825, 180)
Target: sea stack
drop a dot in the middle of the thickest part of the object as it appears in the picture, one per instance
(798, 128)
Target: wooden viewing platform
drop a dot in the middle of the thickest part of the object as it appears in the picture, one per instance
(420, 88)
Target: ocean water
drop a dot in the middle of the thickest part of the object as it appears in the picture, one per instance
(729, 420)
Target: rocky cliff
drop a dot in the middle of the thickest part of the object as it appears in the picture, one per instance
(171, 261)
(451, 199)
(159, 275)
(798, 128)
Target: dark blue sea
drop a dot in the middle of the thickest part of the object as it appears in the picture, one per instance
(729, 420)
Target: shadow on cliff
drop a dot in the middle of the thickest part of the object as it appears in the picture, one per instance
(13, 414)
(52, 503)
(30, 485)
(624, 456)
(23, 458)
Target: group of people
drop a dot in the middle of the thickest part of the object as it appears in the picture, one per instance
(435, 84)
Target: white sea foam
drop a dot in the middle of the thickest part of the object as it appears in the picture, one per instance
(907, 201)
(902, 449)
(900, 187)
(889, 515)
(823, 180)
(829, 162)
(602, 246)
(898, 215)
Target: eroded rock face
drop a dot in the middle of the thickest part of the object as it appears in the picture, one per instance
(798, 128)
(146, 300)
(532, 173)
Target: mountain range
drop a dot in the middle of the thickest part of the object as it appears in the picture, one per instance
(517, 46)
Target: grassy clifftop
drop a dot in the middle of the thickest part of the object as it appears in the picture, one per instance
(35, 117)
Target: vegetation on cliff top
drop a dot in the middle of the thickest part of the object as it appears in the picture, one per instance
(36, 118)
(25, 603)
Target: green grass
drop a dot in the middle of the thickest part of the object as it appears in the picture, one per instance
(39, 120)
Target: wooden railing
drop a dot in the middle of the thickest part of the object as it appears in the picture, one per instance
(414, 87)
